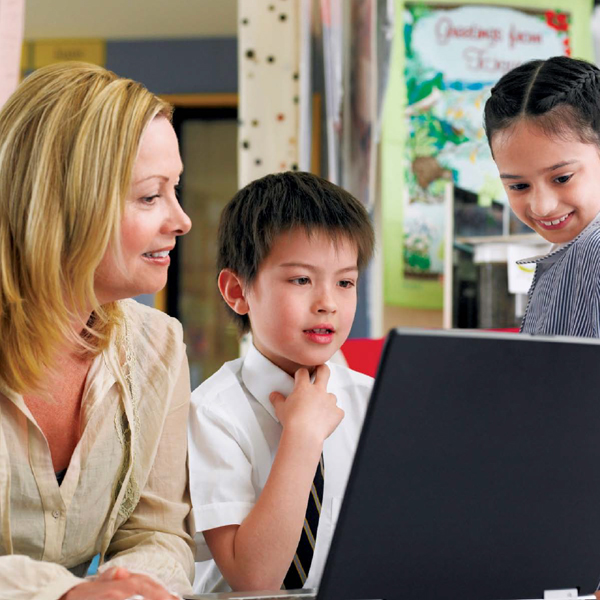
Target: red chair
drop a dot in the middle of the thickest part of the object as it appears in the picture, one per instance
(362, 354)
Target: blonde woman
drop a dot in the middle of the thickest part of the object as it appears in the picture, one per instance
(94, 387)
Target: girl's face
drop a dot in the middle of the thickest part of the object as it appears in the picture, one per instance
(553, 184)
(152, 220)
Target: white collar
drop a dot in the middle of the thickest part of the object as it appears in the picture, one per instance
(557, 249)
(261, 377)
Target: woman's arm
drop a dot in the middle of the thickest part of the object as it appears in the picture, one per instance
(22, 578)
(155, 540)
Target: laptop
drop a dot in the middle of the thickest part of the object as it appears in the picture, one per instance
(477, 474)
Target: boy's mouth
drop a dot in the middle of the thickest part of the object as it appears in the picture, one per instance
(320, 335)
(320, 331)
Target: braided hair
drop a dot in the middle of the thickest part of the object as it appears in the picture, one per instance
(561, 95)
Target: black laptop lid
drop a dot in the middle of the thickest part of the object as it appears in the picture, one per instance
(477, 475)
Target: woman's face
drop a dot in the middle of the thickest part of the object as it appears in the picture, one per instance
(151, 222)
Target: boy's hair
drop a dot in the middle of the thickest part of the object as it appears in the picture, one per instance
(69, 136)
(278, 203)
(561, 95)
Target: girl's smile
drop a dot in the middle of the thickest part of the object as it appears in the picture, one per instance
(552, 183)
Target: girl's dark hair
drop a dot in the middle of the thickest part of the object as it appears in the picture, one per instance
(278, 203)
(561, 95)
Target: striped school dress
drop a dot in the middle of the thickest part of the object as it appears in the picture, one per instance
(564, 298)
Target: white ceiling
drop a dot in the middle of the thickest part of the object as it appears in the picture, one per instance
(127, 19)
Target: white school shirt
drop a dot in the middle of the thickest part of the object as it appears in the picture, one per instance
(233, 438)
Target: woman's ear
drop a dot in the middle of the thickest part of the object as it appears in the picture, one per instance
(232, 290)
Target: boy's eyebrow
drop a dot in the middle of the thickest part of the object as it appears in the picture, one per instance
(559, 165)
(313, 268)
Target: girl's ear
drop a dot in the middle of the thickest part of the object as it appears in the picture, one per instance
(232, 290)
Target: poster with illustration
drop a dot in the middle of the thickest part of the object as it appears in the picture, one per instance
(448, 60)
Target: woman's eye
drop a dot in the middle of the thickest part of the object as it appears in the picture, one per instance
(178, 192)
(345, 283)
(518, 187)
(150, 199)
(301, 280)
(563, 178)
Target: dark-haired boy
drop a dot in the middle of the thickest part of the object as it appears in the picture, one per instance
(273, 434)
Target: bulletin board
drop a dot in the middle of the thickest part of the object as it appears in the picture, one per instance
(446, 57)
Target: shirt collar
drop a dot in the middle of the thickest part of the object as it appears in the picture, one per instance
(555, 252)
(261, 377)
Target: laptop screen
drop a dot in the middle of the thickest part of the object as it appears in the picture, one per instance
(477, 475)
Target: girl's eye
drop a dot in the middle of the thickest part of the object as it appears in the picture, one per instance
(345, 283)
(301, 280)
(518, 187)
(563, 178)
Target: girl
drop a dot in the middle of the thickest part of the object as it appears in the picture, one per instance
(543, 125)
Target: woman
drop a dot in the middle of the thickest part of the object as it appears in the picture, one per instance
(94, 388)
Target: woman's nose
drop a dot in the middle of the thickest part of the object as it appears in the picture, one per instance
(180, 222)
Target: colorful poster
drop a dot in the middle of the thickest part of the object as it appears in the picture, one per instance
(446, 59)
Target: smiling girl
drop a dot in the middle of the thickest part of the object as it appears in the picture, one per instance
(543, 125)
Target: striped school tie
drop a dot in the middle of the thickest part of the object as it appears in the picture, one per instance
(298, 571)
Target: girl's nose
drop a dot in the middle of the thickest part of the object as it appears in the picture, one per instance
(543, 203)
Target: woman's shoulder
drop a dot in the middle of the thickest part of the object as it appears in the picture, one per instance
(150, 326)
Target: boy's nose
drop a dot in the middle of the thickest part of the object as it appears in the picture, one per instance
(325, 304)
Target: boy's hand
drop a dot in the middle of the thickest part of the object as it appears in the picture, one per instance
(309, 410)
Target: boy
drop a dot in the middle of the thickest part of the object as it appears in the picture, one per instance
(270, 444)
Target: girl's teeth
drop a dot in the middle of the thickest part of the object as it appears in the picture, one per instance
(555, 222)
(157, 254)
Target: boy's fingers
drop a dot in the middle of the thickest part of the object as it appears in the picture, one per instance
(276, 398)
(301, 376)
(322, 374)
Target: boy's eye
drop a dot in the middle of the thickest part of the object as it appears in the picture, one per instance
(301, 280)
(345, 283)
(518, 187)
(563, 178)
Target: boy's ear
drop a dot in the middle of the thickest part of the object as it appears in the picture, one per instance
(232, 290)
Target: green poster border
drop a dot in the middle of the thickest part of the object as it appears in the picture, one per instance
(428, 294)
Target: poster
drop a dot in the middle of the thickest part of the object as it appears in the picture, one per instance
(446, 58)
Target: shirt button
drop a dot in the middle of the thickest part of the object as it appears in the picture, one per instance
(56, 514)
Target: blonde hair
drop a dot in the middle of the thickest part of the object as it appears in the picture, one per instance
(69, 137)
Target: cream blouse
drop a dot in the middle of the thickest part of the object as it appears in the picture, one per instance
(125, 493)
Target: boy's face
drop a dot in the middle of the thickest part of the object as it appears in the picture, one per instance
(302, 303)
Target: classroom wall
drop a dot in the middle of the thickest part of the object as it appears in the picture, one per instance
(130, 19)
(179, 47)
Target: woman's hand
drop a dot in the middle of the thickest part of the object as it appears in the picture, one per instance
(119, 584)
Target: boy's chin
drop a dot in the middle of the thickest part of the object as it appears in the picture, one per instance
(310, 360)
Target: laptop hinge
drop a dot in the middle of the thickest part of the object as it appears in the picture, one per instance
(559, 594)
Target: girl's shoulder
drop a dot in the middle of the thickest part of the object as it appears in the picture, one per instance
(589, 241)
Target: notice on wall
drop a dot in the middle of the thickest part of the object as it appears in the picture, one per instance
(12, 17)
(449, 58)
